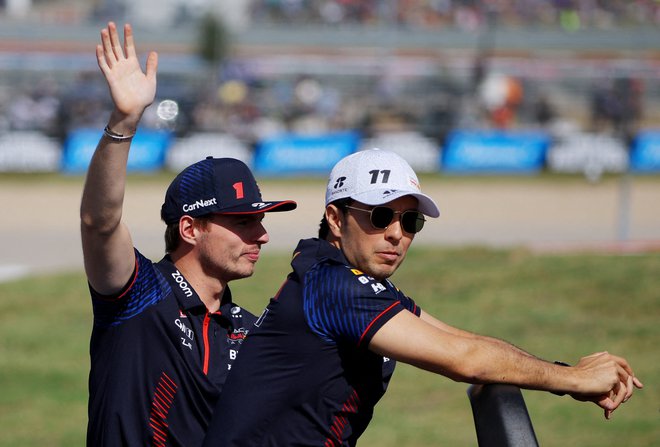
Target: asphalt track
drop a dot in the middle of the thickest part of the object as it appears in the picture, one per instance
(39, 224)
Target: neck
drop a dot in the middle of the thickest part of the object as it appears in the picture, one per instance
(210, 289)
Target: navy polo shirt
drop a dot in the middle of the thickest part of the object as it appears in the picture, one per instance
(159, 359)
(305, 376)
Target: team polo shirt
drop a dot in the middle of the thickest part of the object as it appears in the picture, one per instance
(159, 359)
(305, 376)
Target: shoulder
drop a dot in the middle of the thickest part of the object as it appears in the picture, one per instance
(146, 287)
(342, 278)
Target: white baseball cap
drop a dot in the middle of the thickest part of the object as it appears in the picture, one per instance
(375, 177)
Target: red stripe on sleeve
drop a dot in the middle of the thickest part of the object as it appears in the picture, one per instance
(375, 320)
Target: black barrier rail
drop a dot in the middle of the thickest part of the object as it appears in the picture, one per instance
(500, 416)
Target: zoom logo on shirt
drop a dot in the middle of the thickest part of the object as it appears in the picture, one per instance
(183, 285)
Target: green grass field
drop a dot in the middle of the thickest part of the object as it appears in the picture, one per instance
(558, 307)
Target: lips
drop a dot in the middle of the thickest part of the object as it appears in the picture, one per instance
(252, 256)
(389, 255)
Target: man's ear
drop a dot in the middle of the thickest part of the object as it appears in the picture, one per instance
(188, 231)
(334, 217)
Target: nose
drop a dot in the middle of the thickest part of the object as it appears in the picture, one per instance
(394, 232)
(262, 235)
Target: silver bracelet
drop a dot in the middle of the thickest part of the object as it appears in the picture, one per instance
(114, 136)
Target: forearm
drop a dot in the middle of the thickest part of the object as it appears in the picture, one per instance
(495, 361)
(463, 333)
(103, 193)
(602, 378)
(464, 356)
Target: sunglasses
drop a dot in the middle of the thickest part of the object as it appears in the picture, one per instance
(381, 217)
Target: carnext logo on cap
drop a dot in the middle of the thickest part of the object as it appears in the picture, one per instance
(199, 204)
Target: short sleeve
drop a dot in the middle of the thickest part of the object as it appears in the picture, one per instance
(146, 287)
(345, 305)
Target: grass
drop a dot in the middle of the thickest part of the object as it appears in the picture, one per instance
(558, 307)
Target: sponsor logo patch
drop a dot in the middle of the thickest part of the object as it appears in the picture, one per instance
(237, 336)
(187, 207)
(188, 334)
(183, 285)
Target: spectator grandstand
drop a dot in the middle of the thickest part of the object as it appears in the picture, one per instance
(317, 66)
(468, 14)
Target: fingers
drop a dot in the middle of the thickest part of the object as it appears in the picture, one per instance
(129, 44)
(618, 396)
(627, 376)
(612, 400)
(106, 48)
(111, 46)
(100, 58)
(620, 393)
(114, 41)
(624, 364)
(629, 388)
(605, 402)
(152, 65)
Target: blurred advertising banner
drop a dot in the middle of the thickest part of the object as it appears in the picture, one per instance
(421, 153)
(298, 154)
(193, 148)
(495, 152)
(29, 151)
(588, 153)
(645, 155)
(147, 150)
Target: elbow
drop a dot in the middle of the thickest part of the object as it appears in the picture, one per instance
(92, 223)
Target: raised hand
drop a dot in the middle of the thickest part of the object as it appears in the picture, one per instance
(132, 91)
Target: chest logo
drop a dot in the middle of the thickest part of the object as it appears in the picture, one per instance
(188, 334)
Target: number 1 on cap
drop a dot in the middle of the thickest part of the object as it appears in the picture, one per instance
(238, 187)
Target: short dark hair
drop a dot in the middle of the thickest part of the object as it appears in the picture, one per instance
(324, 228)
(172, 238)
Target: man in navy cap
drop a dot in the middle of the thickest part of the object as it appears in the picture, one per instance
(165, 334)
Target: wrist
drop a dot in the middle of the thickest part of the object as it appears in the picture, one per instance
(123, 124)
(116, 136)
(564, 364)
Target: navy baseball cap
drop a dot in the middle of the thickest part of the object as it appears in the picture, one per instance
(216, 186)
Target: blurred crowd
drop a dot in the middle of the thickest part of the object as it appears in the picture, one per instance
(252, 110)
(464, 14)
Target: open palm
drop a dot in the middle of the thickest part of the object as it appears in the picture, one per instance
(132, 90)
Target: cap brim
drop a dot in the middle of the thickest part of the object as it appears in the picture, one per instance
(425, 204)
(261, 207)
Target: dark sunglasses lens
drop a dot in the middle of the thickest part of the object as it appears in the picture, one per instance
(381, 217)
(412, 221)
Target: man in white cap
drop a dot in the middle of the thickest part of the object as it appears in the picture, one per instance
(322, 353)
